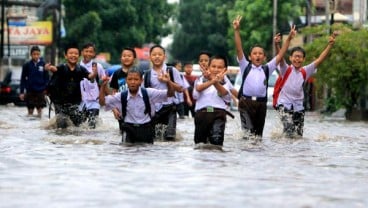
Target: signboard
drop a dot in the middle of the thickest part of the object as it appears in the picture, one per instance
(19, 51)
(35, 33)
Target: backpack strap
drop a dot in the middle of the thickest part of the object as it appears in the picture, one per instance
(245, 74)
(147, 104)
(147, 78)
(124, 101)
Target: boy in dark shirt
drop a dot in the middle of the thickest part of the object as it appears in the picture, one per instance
(66, 83)
(34, 80)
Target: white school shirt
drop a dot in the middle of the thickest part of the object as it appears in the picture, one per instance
(89, 90)
(254, 84)
(179, 96)
(292, 93)
(209, 97)
(155, 83)
(135, 105)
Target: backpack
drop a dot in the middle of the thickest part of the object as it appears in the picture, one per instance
(280, 83)
(245, 74)
(124, 101)
(147, 76)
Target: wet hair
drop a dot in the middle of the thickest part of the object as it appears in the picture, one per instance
(209, 54)
(130, 49)
(69, 46)
(299, 49)
(135, 69)
(35, 48)
(219, 57)
(157, 46)
(87, 45)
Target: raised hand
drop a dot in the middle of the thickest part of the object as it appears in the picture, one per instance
(236, 22)
(292, 32)
(277, 38)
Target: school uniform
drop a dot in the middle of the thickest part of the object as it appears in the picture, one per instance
(90, 93)
(166, 111)
(290, 102)
(137, 125)
(34, 79)
(190, 79)
(210, 116)
(68, 96)
(253, 98)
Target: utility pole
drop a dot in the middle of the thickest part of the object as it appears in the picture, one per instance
(274, 23)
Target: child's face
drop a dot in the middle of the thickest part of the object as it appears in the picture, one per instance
(188, 68)
(157, 56)
(72, 55)
(216, 66)
(134, 80)
(88, 53)
(257, 56)
(35, 55)
(203, 61)
(127, 58)
(297, 59)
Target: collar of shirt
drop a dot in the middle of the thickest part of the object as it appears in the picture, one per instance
(257, 67)
(139, 93)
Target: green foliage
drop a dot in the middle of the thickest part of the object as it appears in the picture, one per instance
(115, 24)
(256, 24)
(202, 25)
(345, 71)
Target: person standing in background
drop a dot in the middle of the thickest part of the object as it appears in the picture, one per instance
(189, 102)
(34, 80)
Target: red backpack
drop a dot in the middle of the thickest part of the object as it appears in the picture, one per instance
(280, 83)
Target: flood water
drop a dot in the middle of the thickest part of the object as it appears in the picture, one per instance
(42, 167)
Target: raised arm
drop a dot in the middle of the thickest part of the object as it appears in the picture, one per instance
(285, 46)
(237, 38)
(277, 43)
(325, 52)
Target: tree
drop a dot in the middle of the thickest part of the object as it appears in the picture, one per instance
(115, 24)
(202, 25)
(207, 25)
(345, 71)
(256, 25)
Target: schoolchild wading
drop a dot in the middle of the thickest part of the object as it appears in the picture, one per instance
(165, 111)
(65, 90)
(133, 108)
(212, 93)
(253, 91)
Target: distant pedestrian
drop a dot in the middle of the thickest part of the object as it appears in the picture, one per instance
(189, 102)
(34, 81)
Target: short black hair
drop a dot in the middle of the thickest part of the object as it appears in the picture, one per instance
(256, 46)
(135, 69)
(35, 48)
(157, 46)
(209, 54)
(69, 46)
(130, 49)
(87, 45)
(222, 57)
(299, 49)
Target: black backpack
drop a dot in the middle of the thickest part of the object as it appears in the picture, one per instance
(147, 76)
(245, 74)
(124, 101)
